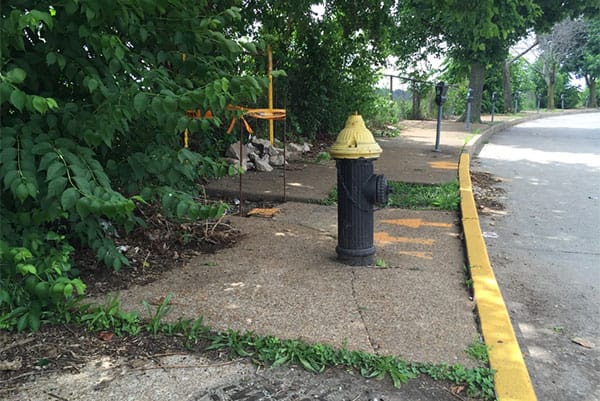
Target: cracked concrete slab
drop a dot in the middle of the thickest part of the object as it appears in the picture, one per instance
(286, 281)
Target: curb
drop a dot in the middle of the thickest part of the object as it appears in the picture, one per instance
(511, 379)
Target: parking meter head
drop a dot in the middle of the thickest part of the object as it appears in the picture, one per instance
(440, 93)
(494, 96)
(469, 94)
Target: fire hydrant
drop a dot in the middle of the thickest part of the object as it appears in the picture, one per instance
(359, 190)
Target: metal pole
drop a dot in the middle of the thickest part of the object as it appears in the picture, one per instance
(438, 130)
(539, 102)
(469, 100)
(562, 101)
(240, 170)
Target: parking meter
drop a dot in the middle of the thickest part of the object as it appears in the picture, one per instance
(469, 101)
(440, 93)
(494, 98)
(516, 97)
(562, 100)
(440, 97)
(539, 101)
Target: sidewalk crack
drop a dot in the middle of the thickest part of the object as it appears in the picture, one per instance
(360, 310)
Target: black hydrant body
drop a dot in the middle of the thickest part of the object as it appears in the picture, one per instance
(359, 190)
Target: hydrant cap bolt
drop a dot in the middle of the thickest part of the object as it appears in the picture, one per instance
(355, 141)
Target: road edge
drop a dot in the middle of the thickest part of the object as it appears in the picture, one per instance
(512, 381)
(474, 146)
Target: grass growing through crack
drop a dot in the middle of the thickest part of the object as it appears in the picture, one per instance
(272, 351)
(443, 196)
(478, 350)
(407, 195)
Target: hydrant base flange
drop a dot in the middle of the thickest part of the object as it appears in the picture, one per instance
(356, 257)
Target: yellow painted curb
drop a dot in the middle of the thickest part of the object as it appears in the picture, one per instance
(512, 378)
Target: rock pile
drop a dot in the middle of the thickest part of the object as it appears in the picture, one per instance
(260, 155)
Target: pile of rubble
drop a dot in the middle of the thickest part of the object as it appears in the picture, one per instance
(260, 155)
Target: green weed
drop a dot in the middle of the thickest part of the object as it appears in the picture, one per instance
(331, 198)
(443, 196)
(322, 157)
(478, 350)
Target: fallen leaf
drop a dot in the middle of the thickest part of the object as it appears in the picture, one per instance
(106, 336)
(583, 342)
(269, 212)
(455, 389)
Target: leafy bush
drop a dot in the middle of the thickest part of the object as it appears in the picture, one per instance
(93, 102)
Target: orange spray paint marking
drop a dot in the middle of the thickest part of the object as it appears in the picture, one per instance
(415, 223)
(383, 238)
(444, 165)
(416, 254)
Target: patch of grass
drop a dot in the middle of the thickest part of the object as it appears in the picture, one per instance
(443, 196)
(322, 156)
(380, 263)
(331, 198)
(272, 351)
(478, 350)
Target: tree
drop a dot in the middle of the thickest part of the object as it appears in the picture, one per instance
(93, 96)
(586, 61)
(556, 47)
(330, 59)
(552, 11)
(477, 34)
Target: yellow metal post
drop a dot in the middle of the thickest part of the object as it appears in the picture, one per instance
(270, 75)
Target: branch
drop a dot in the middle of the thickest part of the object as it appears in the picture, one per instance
(524, 52)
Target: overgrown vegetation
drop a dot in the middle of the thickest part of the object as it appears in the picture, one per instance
(478, 350)
(93, 100)
(406, 195)
(273, 352)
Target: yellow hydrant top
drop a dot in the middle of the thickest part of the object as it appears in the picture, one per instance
(355, 141)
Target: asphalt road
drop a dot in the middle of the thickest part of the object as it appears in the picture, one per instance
(546, 250)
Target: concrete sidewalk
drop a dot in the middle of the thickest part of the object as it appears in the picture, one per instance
(408, 157)
(283, 279)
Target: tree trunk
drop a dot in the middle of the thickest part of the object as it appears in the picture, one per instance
(508, 104)
(476, 81)
(416, 103)
(551, 82)
(593, 96)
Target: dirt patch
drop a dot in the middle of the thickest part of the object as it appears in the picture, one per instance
(160, 246)
(487, 193)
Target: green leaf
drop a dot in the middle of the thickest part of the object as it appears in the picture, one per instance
(41, 148)
(182, 208)
(68, 290)
(170, 105)
(21, 192)
(51, 58)
(140, 101)
(32, 189)
(57, 186)
(69, 198)
(40, 104)
(51, 103)
(92, 85)
(56, 169)
(16, 76)
(25, 269)
(18, 98)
